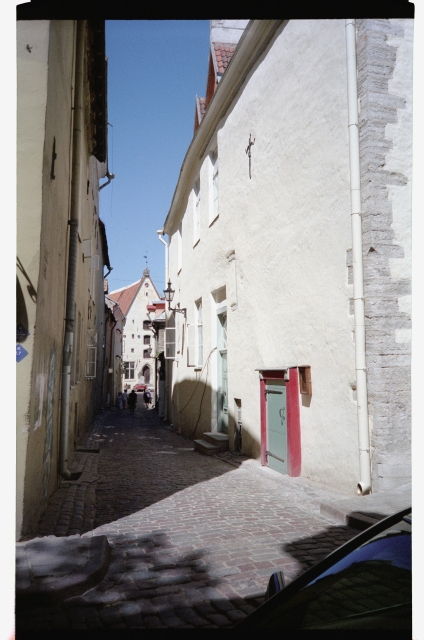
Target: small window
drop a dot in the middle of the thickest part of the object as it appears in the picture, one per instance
(129, 370)
(146, 339)
(196, 222)
(146, 325)
(146, 353)
(132, 350)
(214, 191)
(132, 336)
(180, 247)
(170, 343)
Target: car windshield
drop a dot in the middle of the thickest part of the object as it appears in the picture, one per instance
(369, 588)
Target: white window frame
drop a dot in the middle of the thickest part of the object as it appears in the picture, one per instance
(91, 354)
(180, 248)
(196, 212)
(170, 343)
(214, 192)
(199, 333)
(130, 369)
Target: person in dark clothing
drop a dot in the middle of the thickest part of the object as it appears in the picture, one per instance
(132, 401)
(147, 398)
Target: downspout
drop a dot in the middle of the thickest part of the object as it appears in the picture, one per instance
(78, 129)
(160, 234)
(364, 484)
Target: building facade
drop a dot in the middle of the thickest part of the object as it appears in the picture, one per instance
(289, 247)
(61, 249)
(138, 357)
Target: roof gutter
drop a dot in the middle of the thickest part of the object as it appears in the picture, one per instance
(255, 39)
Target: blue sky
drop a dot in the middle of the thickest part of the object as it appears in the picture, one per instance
(155, 70)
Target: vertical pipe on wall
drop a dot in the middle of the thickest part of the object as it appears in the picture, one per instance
(160, 234)
(78, 128)
(364, 484)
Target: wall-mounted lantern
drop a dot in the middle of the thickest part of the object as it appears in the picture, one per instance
(169, 294)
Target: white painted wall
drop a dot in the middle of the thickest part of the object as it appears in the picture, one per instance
(137, 314)
(289, 229)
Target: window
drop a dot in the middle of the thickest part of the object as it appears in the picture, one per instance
(146, 339)
(91, 355)
(180, 247)
(215, 176)
(199, 333)
(146, 325)
(146, 353)
(170, 343)
(132, 336)
(196, 223)
(195, 338)
(129, 370)
(132, 350)
(94, 267)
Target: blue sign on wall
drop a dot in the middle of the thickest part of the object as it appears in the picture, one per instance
(20, 352)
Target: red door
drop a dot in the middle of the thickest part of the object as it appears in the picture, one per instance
(293, 464)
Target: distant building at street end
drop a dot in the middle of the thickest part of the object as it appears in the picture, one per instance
(290, 250)
(138, 358)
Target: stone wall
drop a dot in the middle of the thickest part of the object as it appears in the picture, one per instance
(384, 59)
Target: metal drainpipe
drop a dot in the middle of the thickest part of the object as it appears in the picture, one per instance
(78, 129)
(364, 484)
(160, 234)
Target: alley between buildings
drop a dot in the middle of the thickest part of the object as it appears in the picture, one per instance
(193, 538)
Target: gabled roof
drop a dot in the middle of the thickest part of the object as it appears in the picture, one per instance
(126, 296)
(219, 58)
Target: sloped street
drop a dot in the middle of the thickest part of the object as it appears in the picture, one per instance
(193, 538)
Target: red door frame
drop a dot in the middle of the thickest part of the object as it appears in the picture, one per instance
(293, 418)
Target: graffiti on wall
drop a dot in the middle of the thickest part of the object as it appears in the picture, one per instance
(49, 422)
(39, 400)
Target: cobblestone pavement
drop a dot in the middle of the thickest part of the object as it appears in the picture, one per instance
(194, 538)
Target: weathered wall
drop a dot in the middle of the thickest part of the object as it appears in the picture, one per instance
(36, 391)
(385, 92)
(45, 100)
(288, 228)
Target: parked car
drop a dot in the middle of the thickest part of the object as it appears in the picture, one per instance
(139, 387)
(364, 584)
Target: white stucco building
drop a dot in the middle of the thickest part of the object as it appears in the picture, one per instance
(138, 357)
(276, 193)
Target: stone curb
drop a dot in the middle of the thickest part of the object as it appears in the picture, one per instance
(69, 585)
(362, 512)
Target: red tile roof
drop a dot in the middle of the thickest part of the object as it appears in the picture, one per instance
(223, 53)
(125, 297)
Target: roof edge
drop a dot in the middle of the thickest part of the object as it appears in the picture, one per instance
(251, 45)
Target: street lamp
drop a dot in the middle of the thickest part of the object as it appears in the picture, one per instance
(169, 294)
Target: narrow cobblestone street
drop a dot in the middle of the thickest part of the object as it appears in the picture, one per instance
(193, 538)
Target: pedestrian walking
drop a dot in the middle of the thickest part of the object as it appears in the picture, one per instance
(125, 398)
(147, 397)
(119, 401)
(132, 401)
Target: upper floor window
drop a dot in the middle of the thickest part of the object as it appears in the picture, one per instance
(129, 370)
(215, 182)
(180, 247)
(196, 222)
